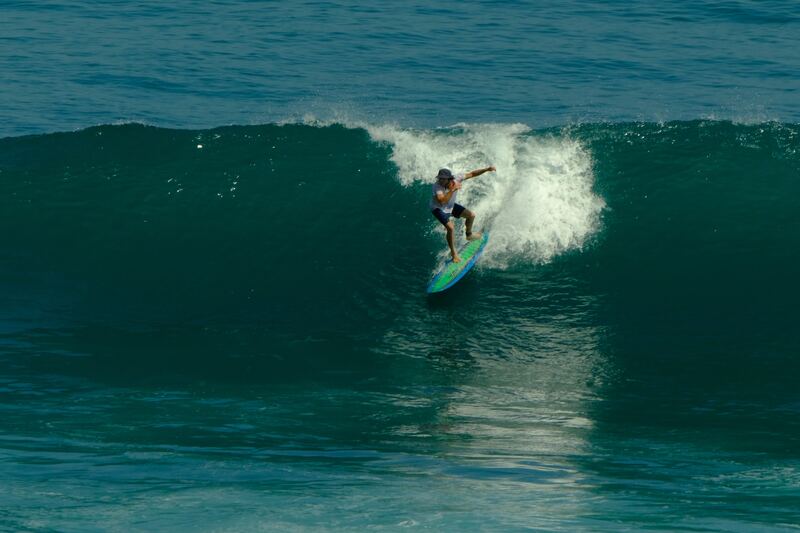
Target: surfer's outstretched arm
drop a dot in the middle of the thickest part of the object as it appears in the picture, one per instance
(478, 172)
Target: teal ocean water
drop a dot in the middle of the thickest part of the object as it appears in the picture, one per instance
(216, 245)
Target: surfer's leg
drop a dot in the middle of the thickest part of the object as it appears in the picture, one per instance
(470, 218)
(448, 224)
(459, 211)
(451, 231)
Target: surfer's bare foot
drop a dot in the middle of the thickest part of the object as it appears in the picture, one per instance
(474, 235)
(456, 258)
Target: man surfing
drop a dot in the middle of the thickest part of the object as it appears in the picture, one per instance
(443, 205)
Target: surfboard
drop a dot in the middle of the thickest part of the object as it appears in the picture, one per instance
(449, 273)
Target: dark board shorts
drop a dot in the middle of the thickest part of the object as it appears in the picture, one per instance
(443, 217)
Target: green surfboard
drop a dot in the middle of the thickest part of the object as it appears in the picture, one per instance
(449, 274)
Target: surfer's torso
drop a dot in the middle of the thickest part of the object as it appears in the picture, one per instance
(448, 207)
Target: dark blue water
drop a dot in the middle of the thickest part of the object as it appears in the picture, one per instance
(186, 64)
(215, 245)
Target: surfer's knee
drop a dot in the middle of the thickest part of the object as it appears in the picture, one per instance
(469, 215)
(450, 227)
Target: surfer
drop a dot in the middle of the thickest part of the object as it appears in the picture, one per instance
(443, 205)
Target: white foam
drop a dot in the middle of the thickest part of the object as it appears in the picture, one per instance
(539, 204)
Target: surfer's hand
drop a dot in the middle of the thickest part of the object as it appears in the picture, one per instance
(490, 169)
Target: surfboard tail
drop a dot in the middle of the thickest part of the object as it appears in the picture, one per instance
(450, 273)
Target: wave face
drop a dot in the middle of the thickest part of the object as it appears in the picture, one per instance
(311, 228)
(269, 221)
(701, 230)
(245, 307)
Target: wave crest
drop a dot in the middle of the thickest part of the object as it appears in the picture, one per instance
(539, 204)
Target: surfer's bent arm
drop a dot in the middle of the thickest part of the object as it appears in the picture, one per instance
(444, 197)
(476, 173)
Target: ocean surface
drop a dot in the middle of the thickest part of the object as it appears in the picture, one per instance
(215, 243)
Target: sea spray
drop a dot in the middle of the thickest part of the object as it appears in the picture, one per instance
(539, 204)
